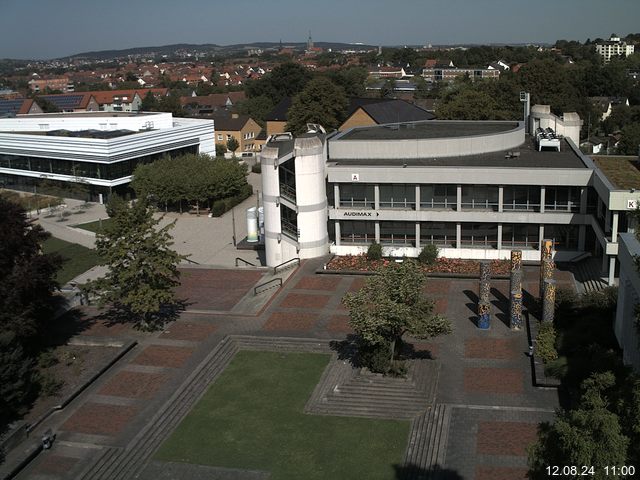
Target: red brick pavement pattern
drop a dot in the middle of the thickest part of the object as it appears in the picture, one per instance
(163, 356)
(437, 285)
(500, 473)
(505, 438)
(133, 384)
(103, 328)
(339, 324)
(99, 419)
(297, 300)
(290, 321)
(441, 305)
(328, 283)
(357, 284)
(189, 331)
(496, 348)
(55, 464)
(493, 380)
(215, 289)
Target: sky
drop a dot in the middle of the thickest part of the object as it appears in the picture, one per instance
(44, 29)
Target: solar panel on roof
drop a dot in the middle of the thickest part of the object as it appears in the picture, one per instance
(10, 106)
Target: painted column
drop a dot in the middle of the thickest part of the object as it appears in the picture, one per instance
(484, 316)
(485, 281)
(549, 301)
(515, 312)
(516, 259)
(547, 274)
(546, 252)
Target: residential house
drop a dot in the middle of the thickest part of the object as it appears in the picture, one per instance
(58, 83)
(18, 106)
(125, 100)
(208, 104)
(241, 127)
(74, 102)
(387, 72)
(364, 112)
(606, 104)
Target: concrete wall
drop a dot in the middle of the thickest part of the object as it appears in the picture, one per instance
(569, 125)
(78, 121)
(628, 297)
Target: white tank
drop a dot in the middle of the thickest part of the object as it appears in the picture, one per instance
(252, 225)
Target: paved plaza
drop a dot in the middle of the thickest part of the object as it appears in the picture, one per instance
(476, 415)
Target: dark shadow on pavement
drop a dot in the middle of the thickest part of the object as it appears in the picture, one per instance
(347, 349)
(408, 351)
(415, 472)
(119, 314)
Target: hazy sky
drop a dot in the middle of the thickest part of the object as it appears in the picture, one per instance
(55, 28)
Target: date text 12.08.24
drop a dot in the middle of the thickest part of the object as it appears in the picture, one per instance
(622, 471)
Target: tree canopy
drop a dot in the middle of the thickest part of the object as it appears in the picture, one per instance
(285, 80)
(142, 267)
(393, 303)
(321, 102)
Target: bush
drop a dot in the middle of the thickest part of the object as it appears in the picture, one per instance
(256, 168)
(218, 208)
(428, 254)
(47, 359)
(604, 300)
(376, 358)
(374, 252)
(49, 385)
(546, 342)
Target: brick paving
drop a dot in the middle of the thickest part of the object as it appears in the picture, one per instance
(133, 384)
(291, 321)
(493, 380)
(163, 356)
(484, 378)
(56, 464)
(100, 419)
(505, 438)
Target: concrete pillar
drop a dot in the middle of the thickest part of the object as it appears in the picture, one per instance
(612, 270)
(515, 311)
(549, 300)
(336, 195)
(542, 200)
(459, 198)
(458, 235)
(614, 227)
(582, 237)
(377, 232)
(605, 264)
(607, 221)
(599, 207)
(376, 197)
(500, 202)
(499, 236)
(540, 238)
(336, 224)
(417, 197)
(583, 200)
(417, 234)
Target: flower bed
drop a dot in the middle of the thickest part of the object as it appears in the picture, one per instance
(442, 265)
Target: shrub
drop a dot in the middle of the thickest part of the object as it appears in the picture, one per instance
(374, 252)
(47, 359)
(428, 254)
(604, 300)
(256, 168)
(557, 368)
(49, 385)
(376, 357)
(218, 208)
(546, 342)
(398, 368)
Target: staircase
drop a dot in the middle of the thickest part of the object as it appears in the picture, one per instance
(587, 273)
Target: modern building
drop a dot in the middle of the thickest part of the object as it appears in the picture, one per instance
(476, 189)
(626, 324)
(614, 47)
(99, 150)
(449, 73)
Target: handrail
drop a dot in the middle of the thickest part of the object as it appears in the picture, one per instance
(244, 261)
(275, 269)
(278, 279)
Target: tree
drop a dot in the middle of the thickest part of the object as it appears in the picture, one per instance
(142, 267)
(285, 80)
(257, 108)
(321, 102)
(588, 435)
(387, 89)
(391, 304)
(233, 145)
(149, 103)
(221, 149)
(47, 105)
(630, 142)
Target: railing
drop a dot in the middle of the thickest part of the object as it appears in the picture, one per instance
(273, 283)
(238, 259)
(531, 207)
(355, 203)
(290, 229)
(285, 265)
(446, 205)
(287, 191)
(480, 205)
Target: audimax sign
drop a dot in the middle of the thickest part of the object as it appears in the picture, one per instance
(360, 214)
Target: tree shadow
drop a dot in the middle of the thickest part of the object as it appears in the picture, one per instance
(408, 352)
(347, 349)
(116, 314)
(415, 472)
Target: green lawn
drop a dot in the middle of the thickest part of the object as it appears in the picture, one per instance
(252, 418)
(94, 226)
(77, 259)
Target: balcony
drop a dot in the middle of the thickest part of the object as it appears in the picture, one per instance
(290, 230)
(288, 192)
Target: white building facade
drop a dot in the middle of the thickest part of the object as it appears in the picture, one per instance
(614, 47)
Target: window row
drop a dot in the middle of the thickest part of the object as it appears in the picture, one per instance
(444, 234)
(473, 197)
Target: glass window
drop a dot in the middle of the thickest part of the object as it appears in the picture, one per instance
(398, 196)
(521, 197)
(565, 237)
(356, 232)
(481, 197)
(398, 233)
(289, 222)
(565, 199)
(356, 195)
(440, 234)
(479, 235)
(438, 196)
(520, 236)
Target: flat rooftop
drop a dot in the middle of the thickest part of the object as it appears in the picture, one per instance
(103, 134)
(427, 130)
(529, 157)
(87, 114)
(622, 172)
